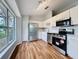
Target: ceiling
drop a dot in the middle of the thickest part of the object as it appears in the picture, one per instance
(37, 7)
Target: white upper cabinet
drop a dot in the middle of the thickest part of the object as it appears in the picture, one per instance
(74, 15)
(47, 23)
(65, 15)
(54, 19)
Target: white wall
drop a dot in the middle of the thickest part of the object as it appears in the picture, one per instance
(43, 17)
(39, 19)
(34, 21)
(19, 30)
(25, 21)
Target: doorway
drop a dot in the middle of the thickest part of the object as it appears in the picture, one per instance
(33, 31)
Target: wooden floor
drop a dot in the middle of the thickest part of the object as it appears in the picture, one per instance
(36, 50)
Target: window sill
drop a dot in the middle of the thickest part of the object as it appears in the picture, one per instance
(3, 52)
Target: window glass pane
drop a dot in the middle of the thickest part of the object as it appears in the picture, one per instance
(11, 35)
(2, 21)
(7, 27)
(11, 19)
(3, 15)
(3, 37)
(11, 29)
(2, 33)
(3, 28)
(3, 10)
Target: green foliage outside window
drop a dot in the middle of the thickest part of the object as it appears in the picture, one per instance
(2, 34)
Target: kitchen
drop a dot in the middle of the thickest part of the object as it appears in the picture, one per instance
(49, 27)
(38, 29)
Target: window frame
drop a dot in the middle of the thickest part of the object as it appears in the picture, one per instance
(7, 27)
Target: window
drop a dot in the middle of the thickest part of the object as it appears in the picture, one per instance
(7, 26)
(11, 26)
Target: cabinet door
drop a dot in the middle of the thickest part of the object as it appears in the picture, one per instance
(47, 23)
(54, 19)
(44, 36)
(39, 35)
(74, 15)
(72, 47)
(72, 44)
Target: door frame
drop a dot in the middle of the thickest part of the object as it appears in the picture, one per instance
(29, 30)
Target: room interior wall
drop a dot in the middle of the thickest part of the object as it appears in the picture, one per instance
(19, 30)
(25, 22)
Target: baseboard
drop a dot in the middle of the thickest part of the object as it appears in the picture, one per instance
(13, 55)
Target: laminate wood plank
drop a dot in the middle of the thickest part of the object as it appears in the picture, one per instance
(37, 50)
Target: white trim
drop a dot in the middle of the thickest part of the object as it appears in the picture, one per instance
(12, 5)
(11, 52)
(6, 5)
(6, 49)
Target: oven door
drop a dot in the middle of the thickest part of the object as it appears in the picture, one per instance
(61, 43)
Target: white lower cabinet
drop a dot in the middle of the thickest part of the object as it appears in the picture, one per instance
(39, 35)
(72, 48)
(72, 44)
(43, 36)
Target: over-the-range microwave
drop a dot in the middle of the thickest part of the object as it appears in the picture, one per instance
(66, 22)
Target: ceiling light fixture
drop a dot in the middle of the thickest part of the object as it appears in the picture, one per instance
(40, 1)
(46, 7)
